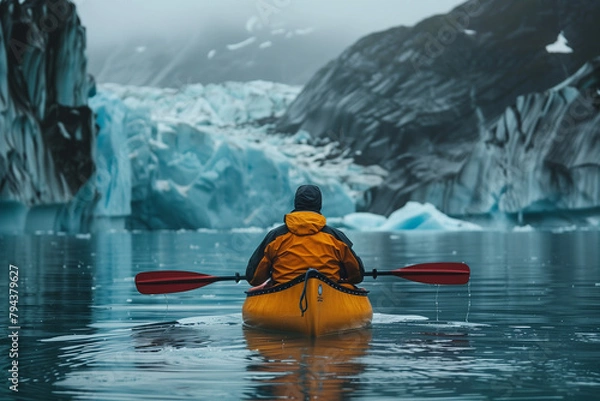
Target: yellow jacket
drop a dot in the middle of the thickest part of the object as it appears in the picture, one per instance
(305, 241)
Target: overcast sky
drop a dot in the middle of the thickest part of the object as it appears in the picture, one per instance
(148, 42)
(112, 20)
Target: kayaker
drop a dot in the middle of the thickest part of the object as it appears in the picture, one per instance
(303, 242)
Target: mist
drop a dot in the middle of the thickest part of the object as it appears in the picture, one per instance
(171, 43)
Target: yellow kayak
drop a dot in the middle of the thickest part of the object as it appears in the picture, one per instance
(311, 305)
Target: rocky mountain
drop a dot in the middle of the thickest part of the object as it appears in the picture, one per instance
(46, 127)
(491, 107)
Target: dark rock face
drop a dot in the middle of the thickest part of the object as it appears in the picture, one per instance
(542, 155)
(46, 127)
(459, 108)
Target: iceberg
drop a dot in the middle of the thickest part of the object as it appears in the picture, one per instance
(417, 216)
(243, 43)
(560, 46)
(412, 216)
(363, 221)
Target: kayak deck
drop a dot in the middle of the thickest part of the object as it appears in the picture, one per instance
(311, 304)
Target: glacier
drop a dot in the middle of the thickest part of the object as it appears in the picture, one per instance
(203, 157)
(77, 157)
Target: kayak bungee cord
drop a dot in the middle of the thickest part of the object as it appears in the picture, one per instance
(303, 300)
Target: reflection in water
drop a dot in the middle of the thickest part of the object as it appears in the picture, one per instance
(441, 342)
(52, 300)
(300, 368)
(128, 363)
(156, 337)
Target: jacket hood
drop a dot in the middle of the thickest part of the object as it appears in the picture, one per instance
(307, 198)
(304, 223)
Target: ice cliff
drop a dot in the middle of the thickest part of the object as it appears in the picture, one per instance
(202, 157)
(542, 155)
(47, 136)
(46, 127)
(490, 108)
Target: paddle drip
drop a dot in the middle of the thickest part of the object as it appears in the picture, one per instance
(469, 304)
(437, 304)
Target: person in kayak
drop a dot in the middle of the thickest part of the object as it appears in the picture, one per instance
(304, 241)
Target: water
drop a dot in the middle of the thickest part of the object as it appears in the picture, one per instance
(527, 327)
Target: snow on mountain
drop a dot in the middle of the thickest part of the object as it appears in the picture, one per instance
(560, 46)
(243, 43)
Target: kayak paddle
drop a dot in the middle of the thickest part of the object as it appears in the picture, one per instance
(169, 281)
(451, 273)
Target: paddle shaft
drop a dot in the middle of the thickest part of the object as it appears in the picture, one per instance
(168, 281)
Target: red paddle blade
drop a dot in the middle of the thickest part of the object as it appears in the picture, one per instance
(169, 281)
(435, 273)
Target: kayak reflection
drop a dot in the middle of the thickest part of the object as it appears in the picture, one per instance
(302, 368)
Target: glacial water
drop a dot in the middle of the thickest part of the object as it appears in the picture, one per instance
(527, 327)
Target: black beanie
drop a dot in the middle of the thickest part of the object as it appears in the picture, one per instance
(308, 197)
